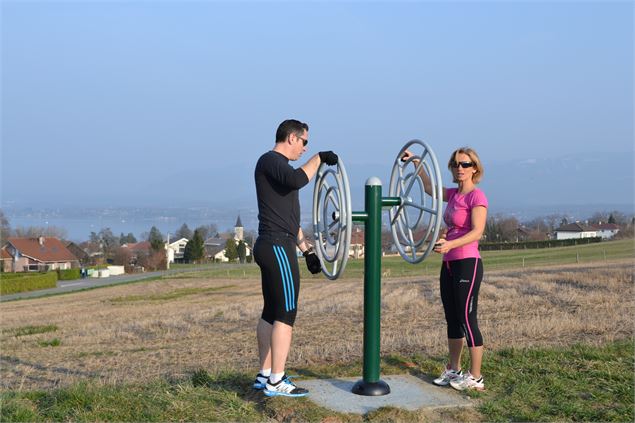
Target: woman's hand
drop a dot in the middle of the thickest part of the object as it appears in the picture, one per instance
(442, 246)
(406, 155)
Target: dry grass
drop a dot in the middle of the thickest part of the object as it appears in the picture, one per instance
(171, 327)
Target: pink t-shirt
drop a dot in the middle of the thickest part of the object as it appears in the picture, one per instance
(458, 218)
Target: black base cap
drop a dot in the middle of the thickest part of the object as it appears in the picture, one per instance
(371, 389)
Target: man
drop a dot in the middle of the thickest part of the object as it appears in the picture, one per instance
(279, 231)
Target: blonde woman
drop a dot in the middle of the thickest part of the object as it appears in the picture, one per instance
(462, 268)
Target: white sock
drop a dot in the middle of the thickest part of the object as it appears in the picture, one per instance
(275, 377)
(265, 372)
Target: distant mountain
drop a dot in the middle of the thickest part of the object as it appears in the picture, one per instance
(597, 182)
(577, 179)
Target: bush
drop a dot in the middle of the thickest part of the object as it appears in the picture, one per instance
(68, 274)
(27, 282)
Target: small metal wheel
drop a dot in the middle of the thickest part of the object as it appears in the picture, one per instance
(332, 218)
(416, 221)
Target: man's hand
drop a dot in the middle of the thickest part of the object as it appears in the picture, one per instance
(312, 262)
(328, 157)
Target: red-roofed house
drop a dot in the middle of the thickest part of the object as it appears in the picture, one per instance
(37, 254)
(6, 260)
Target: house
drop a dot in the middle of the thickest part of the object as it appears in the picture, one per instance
(83, 257)
(137, 249)
(175, 250)
(38, 254)
(522, 234)
(6, 260)
(215, 246)
(356, 249)
(582, 230)
(606, 230)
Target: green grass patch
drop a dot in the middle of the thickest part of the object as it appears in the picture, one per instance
(178, 293)
(55, 342)
(578, 383)
(581, 383)
(29, 330)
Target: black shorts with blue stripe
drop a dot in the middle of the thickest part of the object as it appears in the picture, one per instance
(276, 256)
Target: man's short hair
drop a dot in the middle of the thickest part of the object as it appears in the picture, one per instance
(288, 127)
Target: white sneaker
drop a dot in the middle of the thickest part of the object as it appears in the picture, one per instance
(284, 387)
(467, 381)
(260, 382)
(447, 376)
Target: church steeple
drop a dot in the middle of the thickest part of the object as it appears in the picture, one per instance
(238, 230)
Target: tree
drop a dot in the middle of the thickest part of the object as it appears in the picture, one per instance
(108, 241)
(156, 239)
(184, 232)
(611, 218)
(207, 231)
(242, 251)
(122, 256)
(127, 239)
(36, 231)
(231, 250)
(5, 228)
(194, 249)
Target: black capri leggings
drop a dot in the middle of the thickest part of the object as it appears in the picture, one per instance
(280, 274)
(460, 283)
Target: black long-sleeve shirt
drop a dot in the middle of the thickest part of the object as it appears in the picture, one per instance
(277, 188)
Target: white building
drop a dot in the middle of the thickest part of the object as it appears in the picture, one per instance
(580, 230)
(175, 250)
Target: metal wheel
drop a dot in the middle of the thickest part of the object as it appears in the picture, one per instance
(332, 218)
(416, 221)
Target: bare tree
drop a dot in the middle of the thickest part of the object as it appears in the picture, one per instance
(37, 231)
(5, 228)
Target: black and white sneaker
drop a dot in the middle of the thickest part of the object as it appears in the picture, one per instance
(260, 382)
(284, 387)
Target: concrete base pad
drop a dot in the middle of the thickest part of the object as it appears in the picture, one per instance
(406, 391)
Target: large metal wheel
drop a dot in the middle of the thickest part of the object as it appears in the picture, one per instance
(332, 218)
(416, 221)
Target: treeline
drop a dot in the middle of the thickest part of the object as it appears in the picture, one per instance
(500, 228)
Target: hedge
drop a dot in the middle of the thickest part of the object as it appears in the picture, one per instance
(68, 274)
(490, 246)
(28, 282)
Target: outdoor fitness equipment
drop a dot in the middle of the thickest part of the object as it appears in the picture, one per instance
(332, 224)
(416, 206)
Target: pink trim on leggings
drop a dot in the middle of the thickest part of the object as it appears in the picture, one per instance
(467, 303)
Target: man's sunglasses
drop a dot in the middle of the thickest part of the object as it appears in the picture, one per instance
(464, 165)
(304, 141)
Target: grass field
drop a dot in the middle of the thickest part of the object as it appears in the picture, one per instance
(558, 337)
(395, 266)
(524, 385)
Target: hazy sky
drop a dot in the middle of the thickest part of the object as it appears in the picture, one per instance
(96, 94)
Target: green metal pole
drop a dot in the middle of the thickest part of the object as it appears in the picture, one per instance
(371, 385)
(372, 283)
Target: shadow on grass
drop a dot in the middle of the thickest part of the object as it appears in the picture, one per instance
(239, 383)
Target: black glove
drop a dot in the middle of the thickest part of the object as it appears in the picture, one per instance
(328, 157)
(312, 262)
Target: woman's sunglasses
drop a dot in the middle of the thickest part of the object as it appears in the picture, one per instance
(464, 165)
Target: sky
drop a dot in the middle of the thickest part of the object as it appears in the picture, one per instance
(101, 100)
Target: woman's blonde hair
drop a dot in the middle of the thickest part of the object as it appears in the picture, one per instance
(476, 177)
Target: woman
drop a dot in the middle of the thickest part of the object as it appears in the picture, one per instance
(462, 268)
